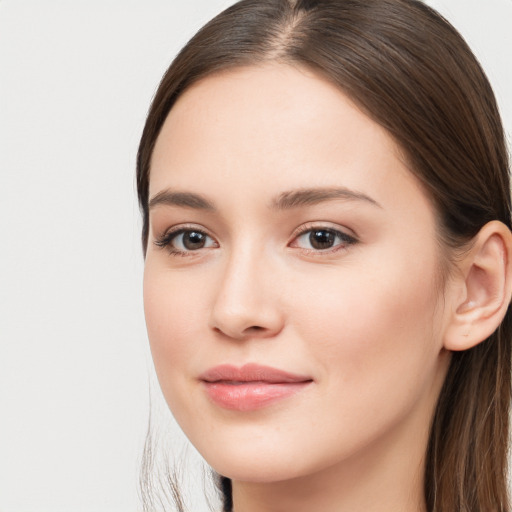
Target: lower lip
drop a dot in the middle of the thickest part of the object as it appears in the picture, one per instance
(250, 396)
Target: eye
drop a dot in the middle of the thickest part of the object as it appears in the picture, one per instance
(183, 241)
(322, 239)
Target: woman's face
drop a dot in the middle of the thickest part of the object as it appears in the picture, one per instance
(286, 232)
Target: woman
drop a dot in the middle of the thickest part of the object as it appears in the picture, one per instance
(325, 193)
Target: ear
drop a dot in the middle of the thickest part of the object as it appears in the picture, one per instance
(483, 288)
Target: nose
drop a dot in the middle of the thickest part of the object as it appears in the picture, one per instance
(246, 303)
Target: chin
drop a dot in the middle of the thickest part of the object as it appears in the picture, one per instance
(260, 463)
(244, 471)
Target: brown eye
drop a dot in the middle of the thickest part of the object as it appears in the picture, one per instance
(193, 240)
(185, 241)
(322, 239)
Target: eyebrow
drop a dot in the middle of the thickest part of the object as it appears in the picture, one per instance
(285, 201)
(313, 196)
(183, 199)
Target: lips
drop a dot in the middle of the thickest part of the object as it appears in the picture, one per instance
(251, 386)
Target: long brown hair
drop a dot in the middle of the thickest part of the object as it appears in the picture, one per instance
(410, 71)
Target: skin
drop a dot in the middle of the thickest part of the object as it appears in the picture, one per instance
(363, 320)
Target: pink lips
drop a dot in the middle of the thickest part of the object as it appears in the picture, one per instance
(250, 387)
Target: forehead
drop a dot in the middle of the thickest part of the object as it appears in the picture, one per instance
(273, 126)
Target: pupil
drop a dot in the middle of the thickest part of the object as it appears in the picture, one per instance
(193, 240)
(321, 239)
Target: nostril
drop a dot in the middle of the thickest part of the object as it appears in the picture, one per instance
(254, 330)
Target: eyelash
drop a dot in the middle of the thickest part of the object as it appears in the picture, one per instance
(344, 239)
(165, 241)
(167, 238)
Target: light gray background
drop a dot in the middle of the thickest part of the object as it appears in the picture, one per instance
(76, 79)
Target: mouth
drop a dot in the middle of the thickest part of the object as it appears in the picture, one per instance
(251, 386)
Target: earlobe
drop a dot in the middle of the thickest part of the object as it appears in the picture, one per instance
(485, 285)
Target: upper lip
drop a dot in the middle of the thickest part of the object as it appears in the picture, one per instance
(250, 372)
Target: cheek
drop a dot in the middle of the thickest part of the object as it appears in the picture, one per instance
(369, 314)
(173, 316)
(373, 331)
(373, 344)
